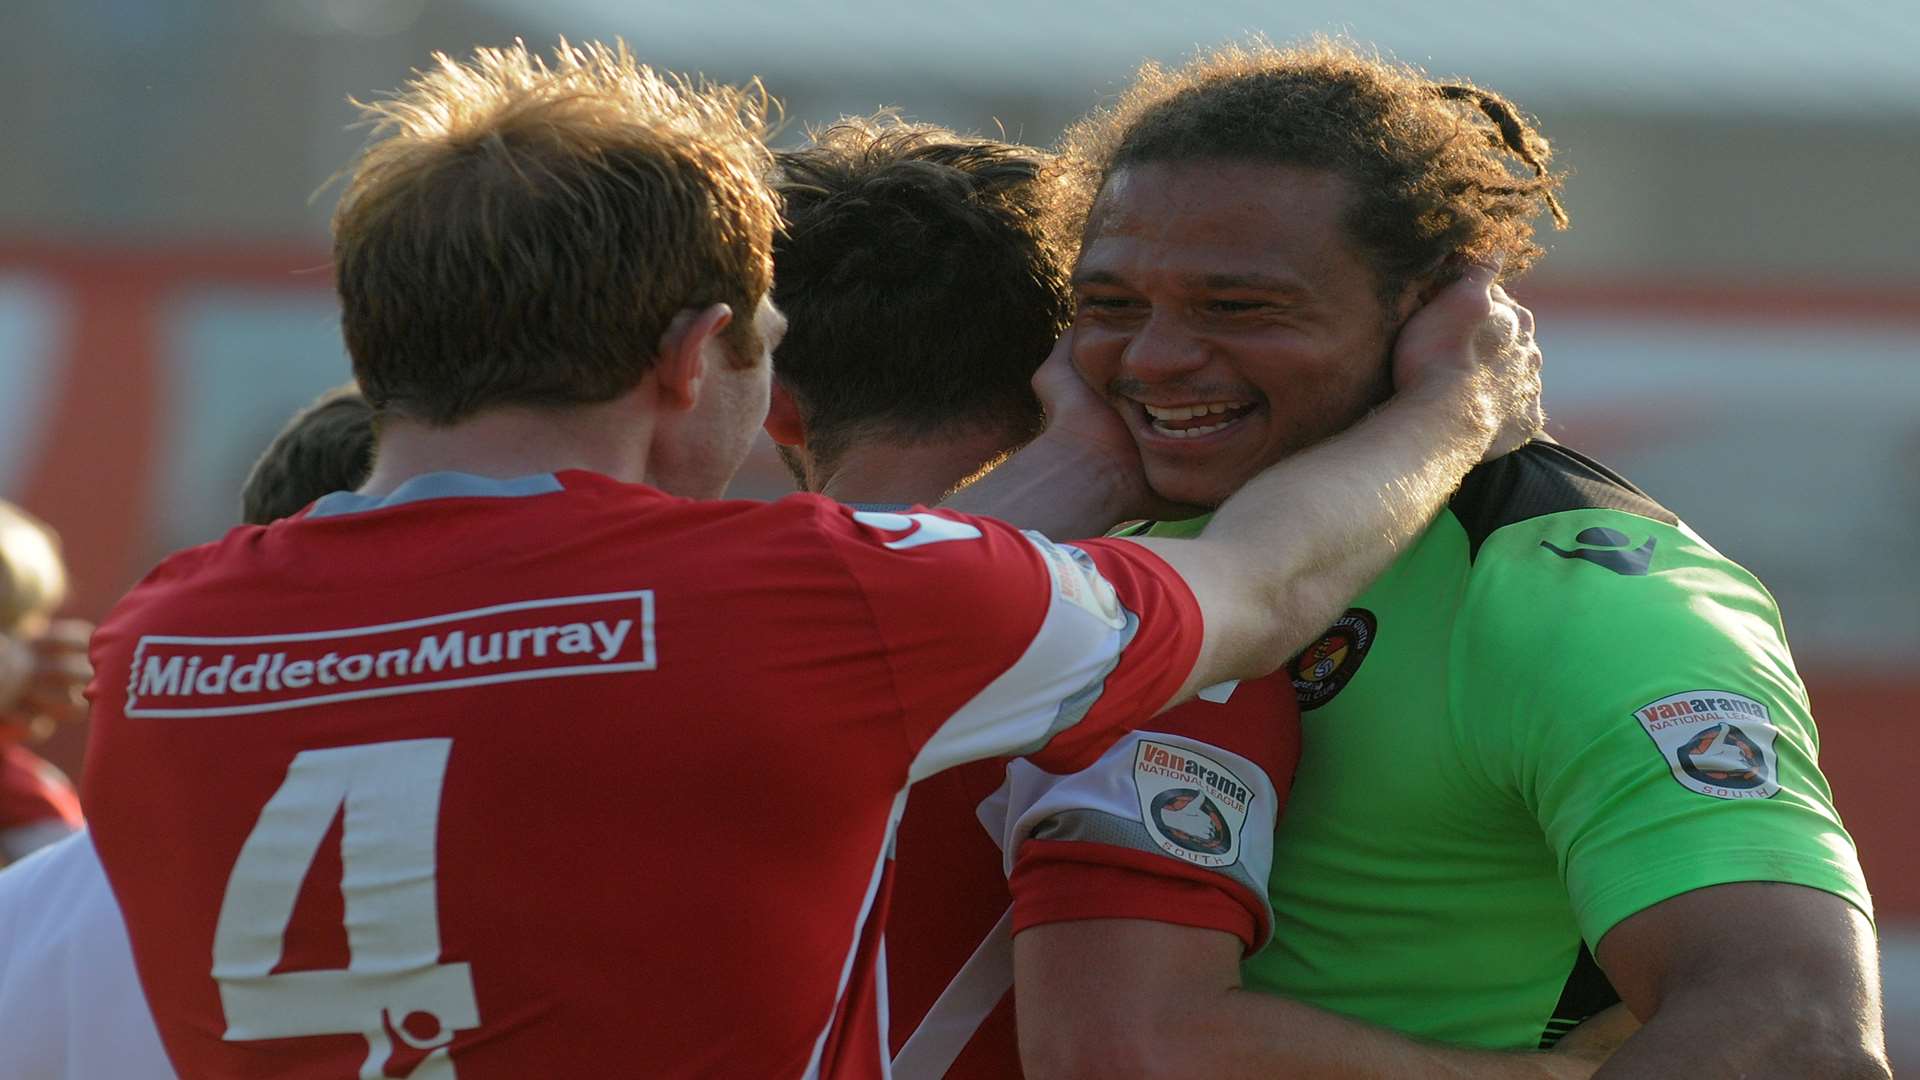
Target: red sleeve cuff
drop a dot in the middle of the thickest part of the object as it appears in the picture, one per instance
(1065, 881)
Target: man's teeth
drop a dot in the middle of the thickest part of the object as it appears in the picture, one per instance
(1164, 415)
(1187, 412)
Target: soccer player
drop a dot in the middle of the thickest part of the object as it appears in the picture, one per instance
(1557, 756)
(923, 293)
(553, 279)
(42, 670)
(70, 1001)
(324, 448)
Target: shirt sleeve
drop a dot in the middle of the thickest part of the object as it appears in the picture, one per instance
(1174, 824)
(1648, 713)
(1002, 642)
(33, 789)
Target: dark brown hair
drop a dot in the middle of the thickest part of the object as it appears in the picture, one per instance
(1437, 170)
(326, 447)
(920, 286)
(522, 232)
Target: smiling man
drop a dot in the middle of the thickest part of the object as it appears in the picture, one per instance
(533, 757)
(1557, 756)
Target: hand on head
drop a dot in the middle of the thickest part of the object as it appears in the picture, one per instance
(1079, 415)
(1475, 340)
(43, 675)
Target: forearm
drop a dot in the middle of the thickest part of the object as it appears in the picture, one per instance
(1788, 1043)
(1053, 486)
(1273, 1036)
(1243, 1033)
(1343, 510)
(1814, 991)
(1113, 998)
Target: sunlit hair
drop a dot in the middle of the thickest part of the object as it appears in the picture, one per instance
(522, 231)
(1439, 171)
(33, 579)
(919, 281)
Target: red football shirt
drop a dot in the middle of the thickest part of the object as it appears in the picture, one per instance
(564, 777)
(1105, 841)
(37, 803)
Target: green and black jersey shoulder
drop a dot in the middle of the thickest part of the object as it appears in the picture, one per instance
(1543, 478)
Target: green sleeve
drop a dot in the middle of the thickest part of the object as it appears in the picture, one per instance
(1642, 704)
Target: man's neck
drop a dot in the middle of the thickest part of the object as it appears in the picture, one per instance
(513, 441)
(911, 473)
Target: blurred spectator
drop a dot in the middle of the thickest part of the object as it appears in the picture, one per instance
(43, 671)
(59, 906)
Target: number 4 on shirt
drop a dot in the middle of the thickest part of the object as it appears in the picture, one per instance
(394, 988)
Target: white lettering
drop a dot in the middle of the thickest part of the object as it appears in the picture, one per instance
(159, 678)
(395, 658)
(540, 636)
(575, 637)
(247, 678)
(213, 680)
(435, 655)
(410, 656)
(515, 639)
(612, 639)
(489, 655)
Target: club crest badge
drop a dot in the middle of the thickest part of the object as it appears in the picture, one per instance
(1716, 742)
(1324, 668)
(1194, 808)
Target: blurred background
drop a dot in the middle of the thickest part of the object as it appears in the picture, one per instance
(1733, 322)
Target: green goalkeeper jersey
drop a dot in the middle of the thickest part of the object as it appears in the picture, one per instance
(1560, 707)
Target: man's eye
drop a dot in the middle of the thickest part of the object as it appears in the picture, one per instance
(1108, 303)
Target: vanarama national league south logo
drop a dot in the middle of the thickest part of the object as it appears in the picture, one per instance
(1716, 742)
(1194, 808)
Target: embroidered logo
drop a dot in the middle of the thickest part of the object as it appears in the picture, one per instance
(1194, 808)
(1717, 742)
(1324, 668)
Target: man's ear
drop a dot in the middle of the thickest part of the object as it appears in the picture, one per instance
(785, 425)
(680, 362)
(1428, 283)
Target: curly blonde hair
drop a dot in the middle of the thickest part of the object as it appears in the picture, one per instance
(522, 231)
(1438, 170)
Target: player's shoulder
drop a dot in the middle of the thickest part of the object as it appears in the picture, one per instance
(1570, 558)
(1543, 480)
(1549, 514)
(179, 574)
(917, 537)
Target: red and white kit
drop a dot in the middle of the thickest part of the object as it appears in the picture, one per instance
(1172, 824)
(37, 803)
(559, 776)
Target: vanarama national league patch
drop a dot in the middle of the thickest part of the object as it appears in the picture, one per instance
(1717, 742)
(1193, 806)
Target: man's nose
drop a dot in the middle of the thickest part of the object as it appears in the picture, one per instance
(1162, 348)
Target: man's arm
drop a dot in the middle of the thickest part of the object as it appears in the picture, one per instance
(1115, 998)
(1797, 963)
